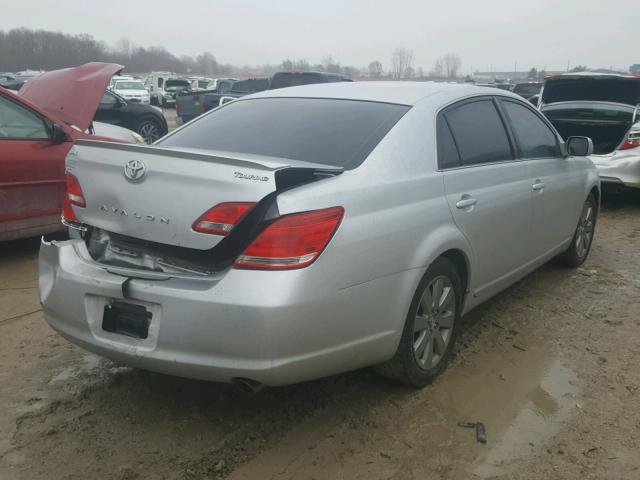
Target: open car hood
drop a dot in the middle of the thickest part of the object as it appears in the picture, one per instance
(71, 94)
(591, 87)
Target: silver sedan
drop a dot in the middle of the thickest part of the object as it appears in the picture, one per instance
(303, 232)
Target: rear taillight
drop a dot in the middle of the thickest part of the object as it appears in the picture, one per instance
(73, 196)
(221, 219)
(294, 241)
(632, 140)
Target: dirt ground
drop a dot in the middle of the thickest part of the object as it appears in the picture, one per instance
(550, 367)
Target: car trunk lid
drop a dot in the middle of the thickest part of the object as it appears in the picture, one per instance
(170, 188)
(602, 107)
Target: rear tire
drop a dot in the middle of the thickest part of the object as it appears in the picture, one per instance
(430, 329)
(582, 239)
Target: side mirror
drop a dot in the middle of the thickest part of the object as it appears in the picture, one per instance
(579, 146)
(58, 135)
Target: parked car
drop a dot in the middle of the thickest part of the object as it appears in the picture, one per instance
(199, 83)
(189, 107)
(6, 79)
(116, 78)
(527, 89)
(172, 88)
(605, 108)
(147, 121)
(132, 91)
(154, 83)
(37, 130)
(352, 226)
(17, 80)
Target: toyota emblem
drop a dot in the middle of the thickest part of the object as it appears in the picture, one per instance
(135, 170)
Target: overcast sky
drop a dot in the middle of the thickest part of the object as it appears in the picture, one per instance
(485, 34)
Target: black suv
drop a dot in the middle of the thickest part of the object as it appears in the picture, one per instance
(144, 119)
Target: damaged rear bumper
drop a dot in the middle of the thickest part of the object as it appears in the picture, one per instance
(269, 327)
(620, 169)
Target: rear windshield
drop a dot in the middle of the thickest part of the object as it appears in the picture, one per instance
(129, 86)
(339, 133)
(616, 90)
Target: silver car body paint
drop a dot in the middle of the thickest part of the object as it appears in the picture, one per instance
(348, 309)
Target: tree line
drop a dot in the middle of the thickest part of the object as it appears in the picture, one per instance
(28, 49)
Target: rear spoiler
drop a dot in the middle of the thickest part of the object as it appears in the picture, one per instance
(247, 160)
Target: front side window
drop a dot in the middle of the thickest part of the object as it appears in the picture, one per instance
(19, 123)
(333, 132)
(479, 133)
(535, 138)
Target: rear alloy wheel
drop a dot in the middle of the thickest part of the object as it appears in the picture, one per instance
(580, 246)
(433, 324)
(430, 329)
(149, 130)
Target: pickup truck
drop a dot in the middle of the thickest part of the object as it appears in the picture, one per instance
(190, 106)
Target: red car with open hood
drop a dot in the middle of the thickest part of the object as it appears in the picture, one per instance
(37, 130)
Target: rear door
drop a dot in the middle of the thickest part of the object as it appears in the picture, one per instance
(487, 190)
(31, 172)
(555, 182)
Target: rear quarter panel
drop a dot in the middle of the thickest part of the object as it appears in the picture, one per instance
(396, 222)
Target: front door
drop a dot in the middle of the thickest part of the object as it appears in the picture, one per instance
(32, 180)
(554, 181)
(487, 190)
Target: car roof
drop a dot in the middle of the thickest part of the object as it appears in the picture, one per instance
(404, 93)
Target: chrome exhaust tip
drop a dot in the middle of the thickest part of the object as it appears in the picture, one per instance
(246, 385)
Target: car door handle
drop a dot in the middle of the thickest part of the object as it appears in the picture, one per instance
(538, 186)
(466, 202)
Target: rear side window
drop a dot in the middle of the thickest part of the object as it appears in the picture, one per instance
(479, 133)
(339, 133)
(447, 152)
(535, 138)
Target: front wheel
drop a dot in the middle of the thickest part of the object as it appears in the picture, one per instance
(430, 329)
(580, 246)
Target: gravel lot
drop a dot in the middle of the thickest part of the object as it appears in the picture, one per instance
(549, 366)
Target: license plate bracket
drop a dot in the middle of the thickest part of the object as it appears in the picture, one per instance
(126, 319)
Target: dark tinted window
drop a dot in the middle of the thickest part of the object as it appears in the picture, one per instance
(535, 138)
(479, 133)
(447, 153)
(334, 132)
